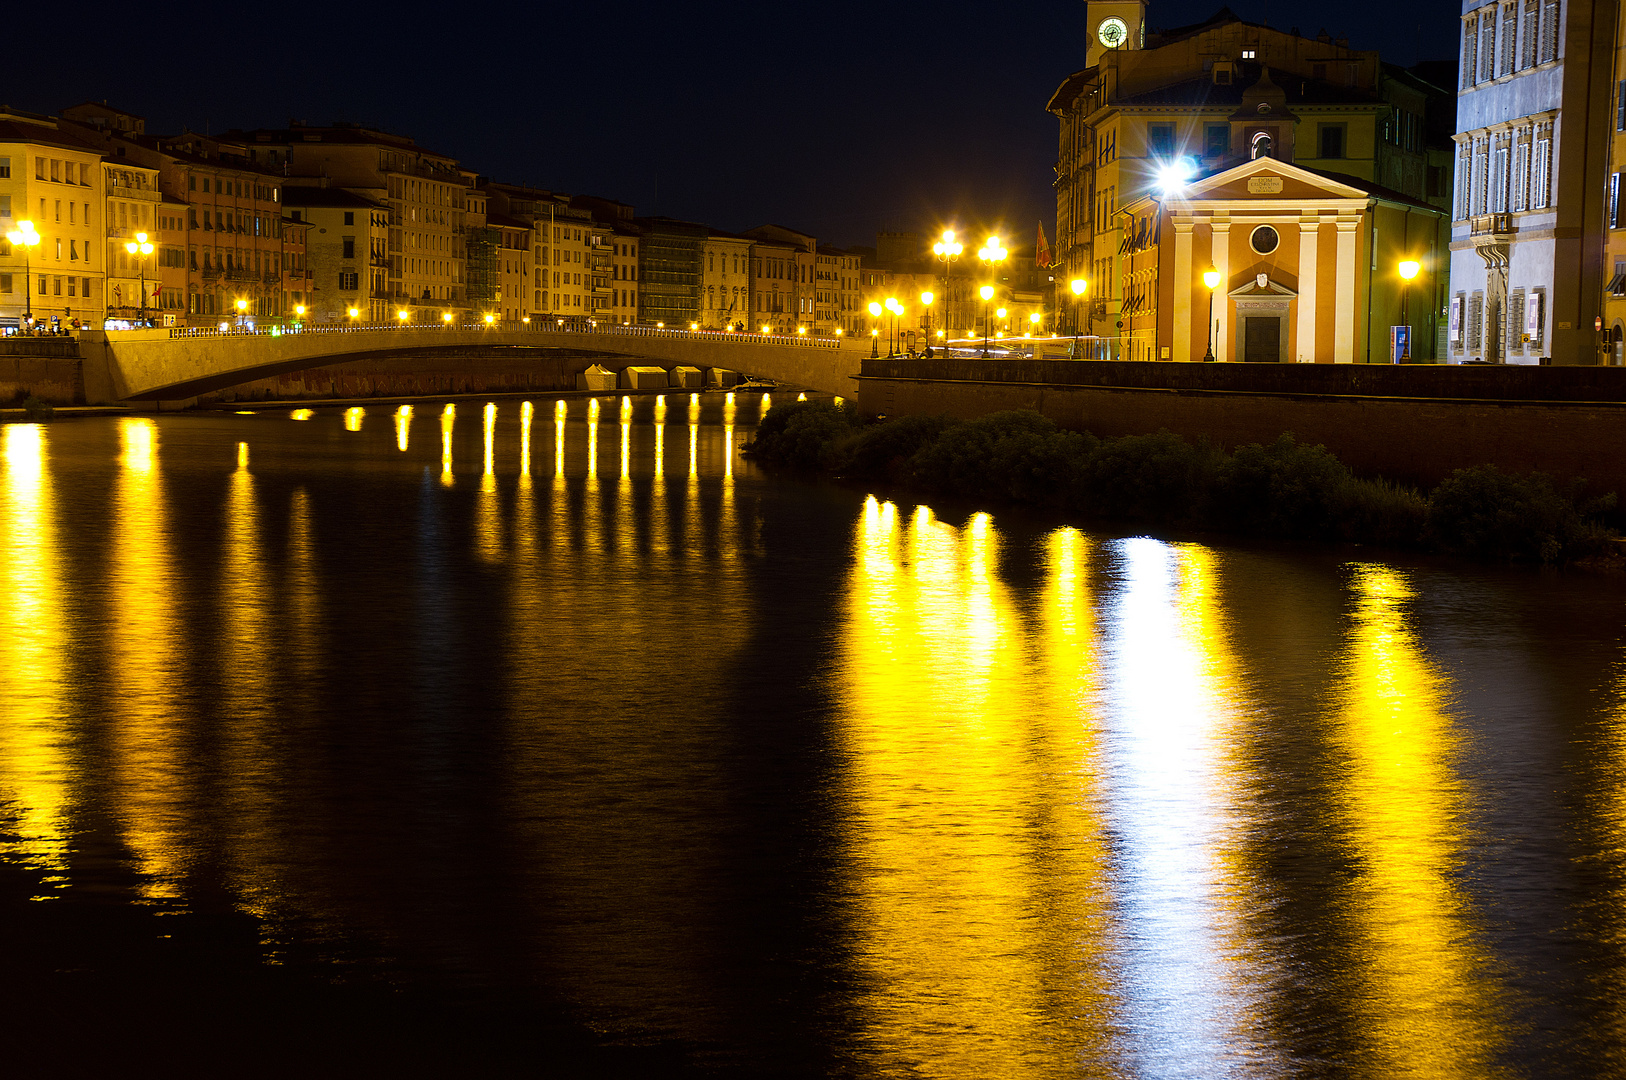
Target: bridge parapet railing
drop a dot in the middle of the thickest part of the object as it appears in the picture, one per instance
(793, 340)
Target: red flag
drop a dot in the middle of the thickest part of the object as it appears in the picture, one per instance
(1041, 254)
(157, 291)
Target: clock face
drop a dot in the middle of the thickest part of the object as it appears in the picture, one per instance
(1112, 32)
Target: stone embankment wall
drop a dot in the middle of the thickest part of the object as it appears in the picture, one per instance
(1413, 423)
(46, 368)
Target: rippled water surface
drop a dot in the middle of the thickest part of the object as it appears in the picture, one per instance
(554, 738)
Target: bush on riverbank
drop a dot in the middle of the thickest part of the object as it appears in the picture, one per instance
(1286, 489)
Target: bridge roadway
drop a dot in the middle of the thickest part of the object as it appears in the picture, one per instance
(175, 364)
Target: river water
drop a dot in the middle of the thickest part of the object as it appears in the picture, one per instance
(554, 738)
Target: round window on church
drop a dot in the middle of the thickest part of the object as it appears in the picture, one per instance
(1264, 239)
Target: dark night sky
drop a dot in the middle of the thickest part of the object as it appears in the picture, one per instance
(839, 118)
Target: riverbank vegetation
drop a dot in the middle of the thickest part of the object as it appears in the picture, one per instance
(1286, 489)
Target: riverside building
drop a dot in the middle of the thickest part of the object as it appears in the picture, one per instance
(1533, 142)
(52, 177)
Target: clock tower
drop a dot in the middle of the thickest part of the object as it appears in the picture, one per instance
(1114, 24)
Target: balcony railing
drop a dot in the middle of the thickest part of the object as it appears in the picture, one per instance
(1491, 224)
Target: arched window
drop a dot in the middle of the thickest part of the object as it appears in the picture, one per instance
(1263, 145)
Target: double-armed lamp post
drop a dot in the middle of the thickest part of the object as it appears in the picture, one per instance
(947, 250)
(140, 247)
(987, 294)
(25, 237)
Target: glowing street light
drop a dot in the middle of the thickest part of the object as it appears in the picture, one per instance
(25, 237)
(875, 335)
(490, 318)
(403, 315)
(1211, 278)
(1408, 269)
(446, 317)
(896, 309)
(141, 248)
(1078, 285)
(354, 314)
(242, 312)
(1172, 178)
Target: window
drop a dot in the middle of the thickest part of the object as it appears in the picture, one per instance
(5, 173)
(1456, 320)
(349, 247)
(5, 205)
(1476, 315)
(1160, 140)
(1217, 140)
(1264, 239)
(1541, 167)
(1620, 105)
(348, 280)
(349, 217)
(1612, 215)
(1510, 37)
(1533, 321)
(1521, 172)
(1531, 31)
(1249, 54)
(1549, 30)
(1332, 140)
(1487, 46)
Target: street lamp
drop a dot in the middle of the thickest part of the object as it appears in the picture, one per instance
(1033, 317)
(1408, 270)
(141, 248)
(446, 318)
(895, 308)
(874, 334)
(353, 313)
(926, 299)
(242, 312)
(490, 318)
(947, 250)
(1079, 285)
(25, 237)
(987, 294)
(299, 313)
(1211, 278)
(403, 315)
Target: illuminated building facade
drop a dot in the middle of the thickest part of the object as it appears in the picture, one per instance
(1148, 103)
(51, 176)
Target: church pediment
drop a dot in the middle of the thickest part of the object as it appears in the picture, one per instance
(1267, 178)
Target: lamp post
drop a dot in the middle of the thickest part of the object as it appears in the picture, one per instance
(242, 312)
(1033, 320)
(141, 248)
(1079, 285)
(987, 294)
(892, 306)
(1408, 270)
(874, 333)
(25, 237)
(1211, 278)
(947, 250)
(926, 299)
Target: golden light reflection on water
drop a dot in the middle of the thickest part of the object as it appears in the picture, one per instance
(965, 822)
(448, 418)
(403, 426)
(1425, 992)
(34, 675)
(146, 638)
(559, 416)
(526, 412)
(488, 514)
(301, 414)
(353, 417)
(626, 438)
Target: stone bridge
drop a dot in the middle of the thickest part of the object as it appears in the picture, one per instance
(177, 364)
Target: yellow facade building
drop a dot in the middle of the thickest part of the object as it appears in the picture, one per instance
(725, 281)
(52, 179)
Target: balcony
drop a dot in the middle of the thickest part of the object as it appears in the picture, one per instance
(1492, 225)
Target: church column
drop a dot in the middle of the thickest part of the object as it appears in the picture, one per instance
(1182, 291)
(1221, 252)
(1344, 289)
(1309, 234)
